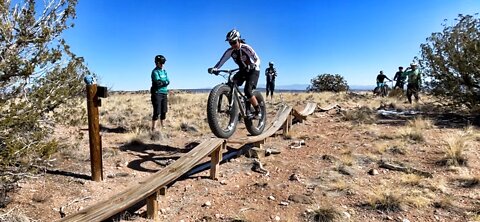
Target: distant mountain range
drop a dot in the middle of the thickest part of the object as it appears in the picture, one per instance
(279, 88)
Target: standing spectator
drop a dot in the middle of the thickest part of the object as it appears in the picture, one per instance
(270, 73)
(400, 78)
(414, 82)
(159, 91)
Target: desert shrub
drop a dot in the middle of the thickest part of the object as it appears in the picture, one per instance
(455, 149)
(328, 82)
(450, 61)
(387, 201)
(325, 214)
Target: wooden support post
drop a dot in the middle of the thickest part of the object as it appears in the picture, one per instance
(287, 125)
(152, 205)
(260, 143)
(94, 133)
(217, 156)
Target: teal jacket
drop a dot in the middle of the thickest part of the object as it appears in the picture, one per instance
(159, 81)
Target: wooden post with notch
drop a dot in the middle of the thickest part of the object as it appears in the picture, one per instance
(287, 125)
(94, 132)
(217, 156)
(152, 205)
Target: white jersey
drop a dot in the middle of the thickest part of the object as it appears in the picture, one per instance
(243, 57)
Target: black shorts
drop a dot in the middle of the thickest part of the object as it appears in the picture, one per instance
(250, 78)
(160, 105)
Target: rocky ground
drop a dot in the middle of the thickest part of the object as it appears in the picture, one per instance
(348, 168)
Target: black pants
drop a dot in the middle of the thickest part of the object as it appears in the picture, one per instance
(399, 84)
(160, 106)
(250, 78)
(412, 89)
(270, 87)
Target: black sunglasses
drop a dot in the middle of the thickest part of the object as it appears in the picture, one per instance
(233, 42)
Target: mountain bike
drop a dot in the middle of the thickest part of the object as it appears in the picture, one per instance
(227, 105)
(383, 90)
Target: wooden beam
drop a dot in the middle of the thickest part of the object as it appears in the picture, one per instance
(152, 206)
(94, 133)
(216, 159)
(140, 190)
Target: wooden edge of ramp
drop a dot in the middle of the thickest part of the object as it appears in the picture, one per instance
(147, 187)
(302, 115)
(282, 116)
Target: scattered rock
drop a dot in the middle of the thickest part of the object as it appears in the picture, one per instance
(294, 177)
(207, 204)
(258, 167)
(284, 203)
(329, 158)
(373, 172)
(299, 198)
(255, 152)
(271, 198)
(188, 127)
(345, 170)
(271, 151)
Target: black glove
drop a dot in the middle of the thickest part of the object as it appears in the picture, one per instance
(213, 71)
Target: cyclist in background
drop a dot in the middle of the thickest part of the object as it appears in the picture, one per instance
(400, 78)
(270, 73)
(249, 64)
(381, 79)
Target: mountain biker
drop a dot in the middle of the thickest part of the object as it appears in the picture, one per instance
(380, 79)
(270, 73)
(414, 82)
(400, 78)
(248, 63)
(159, 91)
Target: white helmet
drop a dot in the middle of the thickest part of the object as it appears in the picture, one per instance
(270, 63)
(413, 64)
(233, 35)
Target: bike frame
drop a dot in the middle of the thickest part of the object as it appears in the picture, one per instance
(235, 94)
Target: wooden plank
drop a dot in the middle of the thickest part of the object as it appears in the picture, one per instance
(146, 187)
(309, 109)
(277, 123)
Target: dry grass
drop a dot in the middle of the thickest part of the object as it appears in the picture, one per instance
(14, 215)
(363, 115)
(456, 146)
(325, 214)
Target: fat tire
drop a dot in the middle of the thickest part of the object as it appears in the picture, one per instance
(249, 124)
(212, 112)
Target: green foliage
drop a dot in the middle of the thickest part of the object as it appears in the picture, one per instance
(40, 78)
(328, 82)
(451, 62)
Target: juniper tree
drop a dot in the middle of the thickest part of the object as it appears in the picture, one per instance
(328, 82)
(40, 78)
(451, 62)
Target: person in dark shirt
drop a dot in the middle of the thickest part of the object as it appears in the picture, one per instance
(400, 78)
(381, 79)
(270, 73)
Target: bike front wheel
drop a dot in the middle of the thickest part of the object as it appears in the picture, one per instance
(256, 126)
(222, 113)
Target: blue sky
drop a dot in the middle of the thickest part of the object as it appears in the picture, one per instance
(356, 39)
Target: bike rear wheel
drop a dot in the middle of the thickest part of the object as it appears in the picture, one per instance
(222, 117)
(256, 126)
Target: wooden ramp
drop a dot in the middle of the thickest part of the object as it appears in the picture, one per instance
(150, 186)
(280, 119)
(302, 115)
